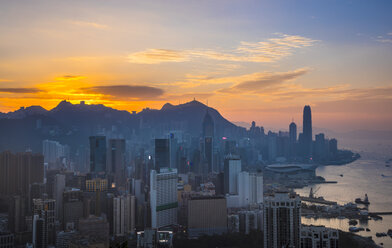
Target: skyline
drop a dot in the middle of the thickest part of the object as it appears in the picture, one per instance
(251, 60)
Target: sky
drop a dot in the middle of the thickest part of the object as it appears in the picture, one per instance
(251, 60)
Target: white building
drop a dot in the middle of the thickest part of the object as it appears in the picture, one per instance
(163, 197)
(232, 168)
(53, 151)
(250, 188)
(123, 215)
(282, 220)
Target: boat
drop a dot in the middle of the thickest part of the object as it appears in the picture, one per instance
(383, 234)
(353, 229)
(341, 175)
(389, 232)
(365, 201)
(367, 230)
(353, 222)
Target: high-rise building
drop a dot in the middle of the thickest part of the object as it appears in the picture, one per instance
(162, 153)
(319, 237)
(59, 186)
(232, 167)
(208, 125)
(98, 154)
(17, 213)
(293, 132)
(123, 215)
(163, 197)
(208, 153)
(40, 230)
(18, 171)
(282, 220)
(116, 161)
(307, 131)
(63, 239)
(207, 215)
(250, 188)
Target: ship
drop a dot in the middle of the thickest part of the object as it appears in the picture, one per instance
(365, 201)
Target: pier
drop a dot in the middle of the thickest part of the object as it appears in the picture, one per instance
(317, 200)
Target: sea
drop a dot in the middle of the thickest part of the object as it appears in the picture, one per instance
(367, 175)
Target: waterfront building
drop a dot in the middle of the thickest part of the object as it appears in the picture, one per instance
(307, 132)
(282, 220)
(319, 237)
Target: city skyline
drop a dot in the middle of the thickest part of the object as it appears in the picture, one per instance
(253, 60)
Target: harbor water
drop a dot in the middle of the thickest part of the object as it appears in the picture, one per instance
(367, 175)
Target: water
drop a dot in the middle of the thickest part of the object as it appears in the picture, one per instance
(360, 177)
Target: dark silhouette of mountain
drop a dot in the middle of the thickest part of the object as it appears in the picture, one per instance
(24, 112)
(72, 124)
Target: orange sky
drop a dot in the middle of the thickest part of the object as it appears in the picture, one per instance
(251, 61)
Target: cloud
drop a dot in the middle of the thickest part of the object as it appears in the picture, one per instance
(69, 77)
(20, 90)
(126, 91)
(89, 24)
(5, 80)
(257, 82)
(156, 56)
(270, 50)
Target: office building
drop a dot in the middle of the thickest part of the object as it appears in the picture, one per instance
(319, 237)
(207, 215)
(232, 167)
(162, 154)
(59, 187)
(293, 132)
(282, 220)
(98, 154)
(53, 153)
(116, 161)
(40, 230)
(163, 197)
(208, 129)
(307, 132)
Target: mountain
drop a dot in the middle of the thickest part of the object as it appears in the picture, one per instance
(72, 124)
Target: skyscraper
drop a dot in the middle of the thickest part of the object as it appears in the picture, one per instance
(123, 215)
(232, 167)
(162, 153)
(250, 188)
(163, 197)
(307, 131)
(293, 132)
(116, 160)
(282, 220)
(98, 154)
(208, 125)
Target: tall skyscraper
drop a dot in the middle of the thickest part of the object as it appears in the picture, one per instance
(232, 167)
(163, 197)
(208, 125)
(98, 154)
(293, 132)
(162, 153)
(116, 160)
(282, 220)
(307, 131)
(208, 153)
